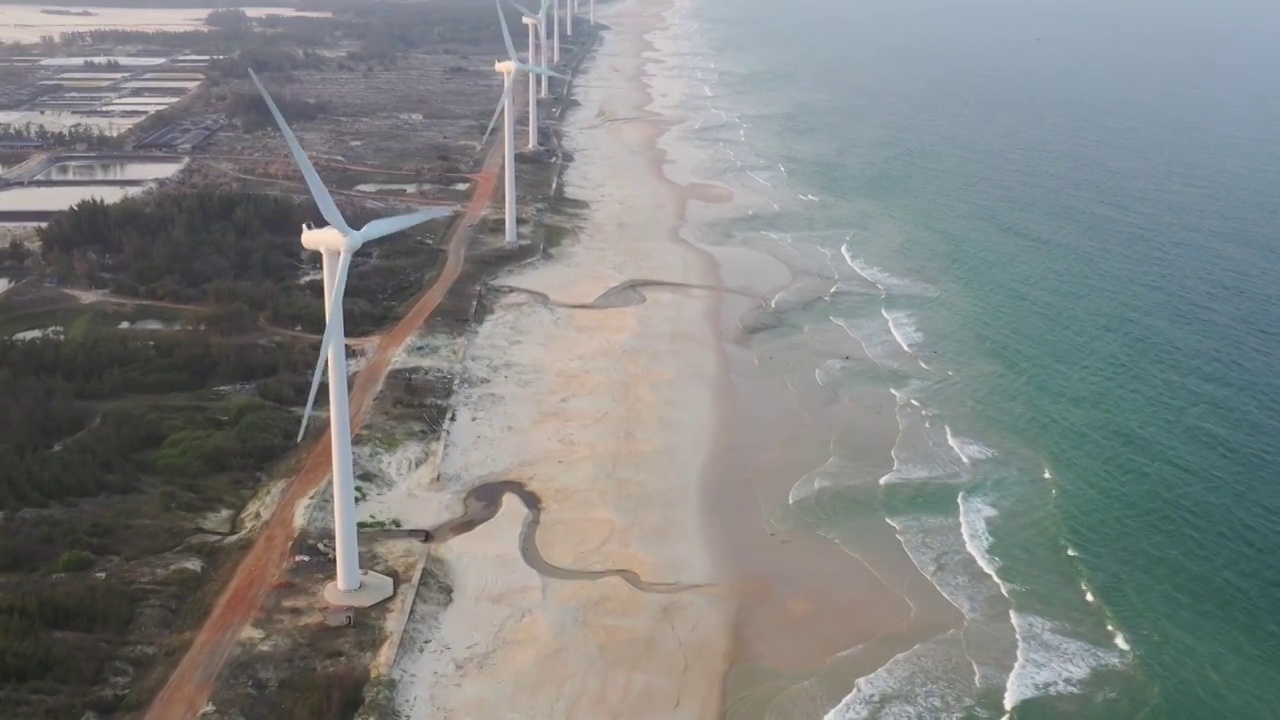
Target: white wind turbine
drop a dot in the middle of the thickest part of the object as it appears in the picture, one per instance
(570, 9)
(555, 14)
(538, 19)
(336, 244)
(535, 58)
(509, 68)
(592, 16)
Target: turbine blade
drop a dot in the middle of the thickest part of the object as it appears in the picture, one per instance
(328, 208)
(496, 113)
(542, 71)
(339, 288)
(523, 10)
(386, 226)
(506, 33)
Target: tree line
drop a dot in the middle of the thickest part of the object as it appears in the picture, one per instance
(58, 441)
(235, 251)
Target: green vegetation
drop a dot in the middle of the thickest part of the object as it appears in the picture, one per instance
(114, 443)
(326, 695)
(236, 252)
(57, 444)
(379, 524)
(47, 632)
(247, 107)
(92, 137)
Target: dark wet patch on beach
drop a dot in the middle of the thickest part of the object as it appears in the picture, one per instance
(481, 504)
(628, 293)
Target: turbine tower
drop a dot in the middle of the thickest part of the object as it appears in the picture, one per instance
(569, 11)
(540, 20)
(336, 244)
(509, 68)
(592, 16)
(537, 56)
(555, 13)
(532, 24)
(542, 44)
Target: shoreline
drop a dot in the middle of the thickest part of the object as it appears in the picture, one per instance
(609, 414)
(803, 600)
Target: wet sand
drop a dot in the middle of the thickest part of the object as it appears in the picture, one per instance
(658, 441)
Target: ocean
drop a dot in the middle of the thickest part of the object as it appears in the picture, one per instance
(1050, 229)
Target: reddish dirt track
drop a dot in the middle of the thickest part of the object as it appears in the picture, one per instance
(189, 687)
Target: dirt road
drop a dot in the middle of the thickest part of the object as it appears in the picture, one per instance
(191, 683)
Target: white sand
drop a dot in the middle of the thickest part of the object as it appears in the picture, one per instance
(609, 416)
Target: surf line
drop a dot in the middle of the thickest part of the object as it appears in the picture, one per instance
(628, 293)
(481, 504)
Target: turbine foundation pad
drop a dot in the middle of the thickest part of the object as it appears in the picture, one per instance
(374, 588)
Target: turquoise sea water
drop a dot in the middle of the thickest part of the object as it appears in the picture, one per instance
(1053, 228)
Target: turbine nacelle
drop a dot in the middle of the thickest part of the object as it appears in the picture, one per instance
(506, 67)
(328, 238)
(337, 237)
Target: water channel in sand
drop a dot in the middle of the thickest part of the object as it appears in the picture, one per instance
(482, 503)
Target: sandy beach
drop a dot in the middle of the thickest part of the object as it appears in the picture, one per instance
(609, 415)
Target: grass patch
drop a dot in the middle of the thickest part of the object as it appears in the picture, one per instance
(379, 524)
(554, 234)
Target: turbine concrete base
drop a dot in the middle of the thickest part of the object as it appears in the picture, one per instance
(374, 588)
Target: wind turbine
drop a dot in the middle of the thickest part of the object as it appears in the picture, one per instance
(555, 12)
(533, 22)
(592, 16)
(540, 20)
(569, 11)
(509, 68)
(337, 243)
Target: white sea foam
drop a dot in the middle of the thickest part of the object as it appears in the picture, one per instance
(1119, 639)
(911, 392)
(826, 373)
(920, 452)
(936, 546)
(902, 325)
(1051, 663)
(883, 279)
(974, 514)
(970, 451)
(843, 287)
(811, 483)
(833, 473)
(931, 680)
(865, 335)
